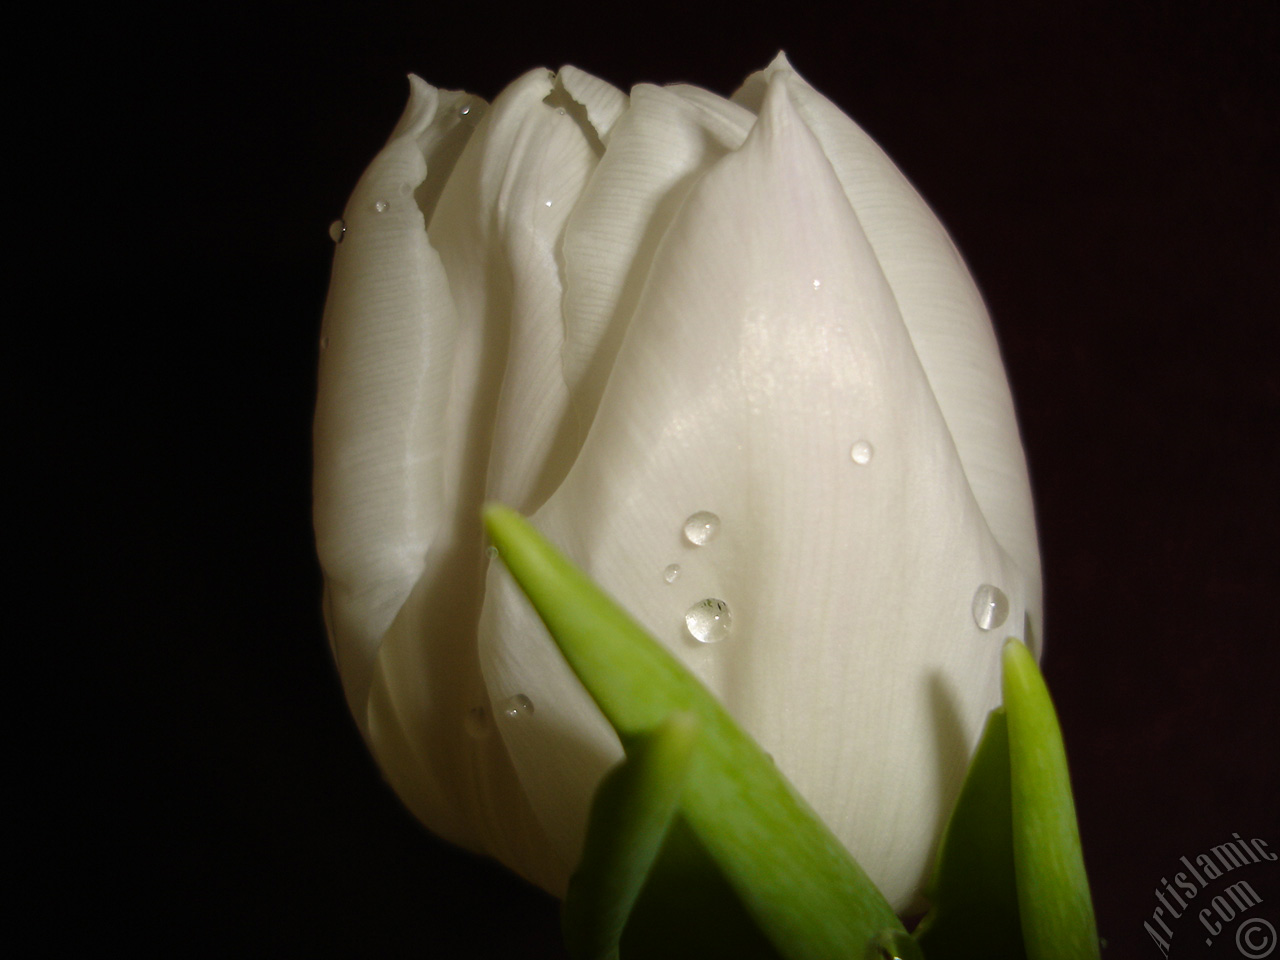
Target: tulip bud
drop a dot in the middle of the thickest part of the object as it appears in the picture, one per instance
(730, 363)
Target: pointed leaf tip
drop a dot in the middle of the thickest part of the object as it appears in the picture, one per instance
(807, 895)
(1053, 889)
(630, 819)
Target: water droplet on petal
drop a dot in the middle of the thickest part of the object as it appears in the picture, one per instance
(560, 110)
(464, 109)
(491, 552)
(671, 573)
(709, 620)
(513, 708)
(990, 607)
(324, 344)
(337, 230)
(895, 945)
(548, 203)
(701, 528)
(381, 206)
(862, 452)
(477, 722)
(816, 283)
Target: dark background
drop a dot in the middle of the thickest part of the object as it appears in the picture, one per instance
(1111, 176)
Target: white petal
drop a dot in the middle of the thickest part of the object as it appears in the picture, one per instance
(740, 388)
(657, 151)
(548, 160)
(562, 746)
(497, 225)
(944, 314)
(603, 102)
(434, 733)
(388, 332)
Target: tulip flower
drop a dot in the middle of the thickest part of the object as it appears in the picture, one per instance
(726, 359)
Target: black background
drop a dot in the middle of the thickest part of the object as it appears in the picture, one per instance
(1111, 176)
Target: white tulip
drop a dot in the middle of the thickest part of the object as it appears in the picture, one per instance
(611, 313)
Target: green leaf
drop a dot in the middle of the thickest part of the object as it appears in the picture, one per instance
(631, 816)
(974, 892)
(804, 891)
(1053, 890)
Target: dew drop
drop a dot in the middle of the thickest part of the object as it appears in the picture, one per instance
(895, 945)
(477, 722)
(491, 552)
(513, 708)
(464, 109)
(862, 452)
(547, 203)
(990, 607)
(337, 230)
(381, 206)
(324, 344)
(560, 110)
(671, 573)
(701, 528)
(709, 620)
(816, 283)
